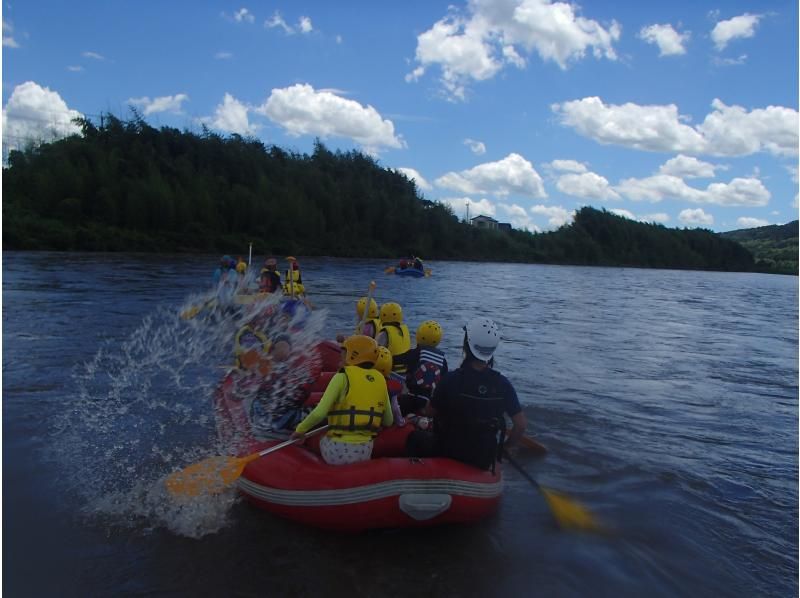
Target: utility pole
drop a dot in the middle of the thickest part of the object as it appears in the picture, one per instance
(467, 211)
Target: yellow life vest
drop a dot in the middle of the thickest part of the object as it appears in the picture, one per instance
(357, 416)
(293, 279)
(398, 338)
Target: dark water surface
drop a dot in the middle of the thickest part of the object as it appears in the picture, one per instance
(668, 400)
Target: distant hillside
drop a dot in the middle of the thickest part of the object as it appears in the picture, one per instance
(774, 247)
(126, 186)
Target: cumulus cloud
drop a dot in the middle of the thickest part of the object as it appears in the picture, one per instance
(742, 26)
(739, 192)
(34, 114)
(231, 117)
(658, 217)
(687, 167)
(476, 208)
(243, 16)
(513, 175)
(160, 104)
(587, 185)
(747, 222)
(669, 41)
(726, 131)
(477, 45)
(696, 217)
(304, 24)
(418, 179)
(476, 147)
(302, 110)
(567, 166)
(8, 36)
(517, 217)
(556, 215)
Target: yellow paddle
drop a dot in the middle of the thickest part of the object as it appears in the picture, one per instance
(191, 312)
(213, 475)
(428, 272)
(568, 513)
(389, 270)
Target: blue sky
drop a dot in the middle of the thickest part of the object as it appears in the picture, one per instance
(682, 113)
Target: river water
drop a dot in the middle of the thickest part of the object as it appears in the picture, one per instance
(668, 401)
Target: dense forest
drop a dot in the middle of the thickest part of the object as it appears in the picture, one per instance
(774, 247)
(126, 186)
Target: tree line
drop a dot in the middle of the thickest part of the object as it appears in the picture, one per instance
(123, 185)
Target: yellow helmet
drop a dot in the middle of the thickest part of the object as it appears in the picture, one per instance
(373, 308)
(429, 333)
(360, 349)
(391, 313)
(384, 362)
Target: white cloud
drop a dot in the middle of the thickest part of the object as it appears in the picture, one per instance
(34, 114)
(75, 68)
(418, 179)
(303, 111)
(517, 216)
(696, 217)
(738, 27)
(659, 217)
(476, 208)
(304, 24)
(476, 147)
(687, 167)
(726, 131)
(243, 15)
(556, 215)
(223, 55)
(747, 222)
(160, 104)
(567, 166)
(739, 192)
(669, 41)
(475, 47)
(718, 61)
(8, 36)
(231, 117)
(93, 55)
(513, 175)
(587, 185)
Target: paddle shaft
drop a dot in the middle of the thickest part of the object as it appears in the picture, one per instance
(521, 471)
(364, 314)
(284, 444)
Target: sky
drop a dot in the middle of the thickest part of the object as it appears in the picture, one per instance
(680, 113)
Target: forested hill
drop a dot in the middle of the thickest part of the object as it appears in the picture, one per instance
(774, 247)
(126, 186)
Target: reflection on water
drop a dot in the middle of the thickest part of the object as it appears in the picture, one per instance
(668, 401)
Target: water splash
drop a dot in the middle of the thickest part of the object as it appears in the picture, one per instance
(145, 407)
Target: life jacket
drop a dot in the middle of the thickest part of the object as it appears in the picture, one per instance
(473, 429)
(293, 279)
(376, 327)
(398, 341)
(247, 338)
(270, 281)
(426, 376)
(360, 411)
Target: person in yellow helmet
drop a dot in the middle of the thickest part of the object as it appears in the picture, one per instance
(368, 324)
(394, 334)
(356, 403)
(394, 383)
(425, 367)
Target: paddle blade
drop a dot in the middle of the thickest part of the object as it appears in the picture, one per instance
(428, 272)
(188, 314)
(389, 270)
(532, 445)
(568, 513)
(210, 476)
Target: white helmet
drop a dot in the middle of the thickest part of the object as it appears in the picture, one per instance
(483, 336)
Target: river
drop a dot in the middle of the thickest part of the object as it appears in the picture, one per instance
(668, 401)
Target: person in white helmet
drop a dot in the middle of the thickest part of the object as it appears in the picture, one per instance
(470, 404)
